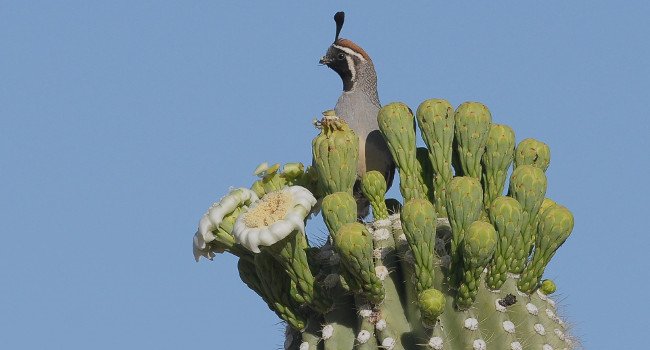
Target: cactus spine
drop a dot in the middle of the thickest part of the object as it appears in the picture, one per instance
(458, 266)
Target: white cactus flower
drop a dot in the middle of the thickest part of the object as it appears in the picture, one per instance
(273, 217)
(236, 198)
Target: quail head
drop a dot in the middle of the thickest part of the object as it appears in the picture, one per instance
(358, 106)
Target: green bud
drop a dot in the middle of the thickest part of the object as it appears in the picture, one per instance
(336, 153)
(528, 187)
(373, 186)
(555, 226)
(432, 304)
(418, 219)
(478, 248)
(499, 152)
(471, 130)
(464, 206)
(436, 122)
(533, 152)
(547, 287)
(293, 170)
(338, 209)
(396, 123)
(507, 217)
(353, 242)
(425, 173)
(479, 244)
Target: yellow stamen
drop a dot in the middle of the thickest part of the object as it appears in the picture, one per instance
(271, 208)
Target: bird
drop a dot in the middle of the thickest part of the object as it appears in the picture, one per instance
(359, 106)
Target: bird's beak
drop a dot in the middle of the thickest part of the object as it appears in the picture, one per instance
(324, 60)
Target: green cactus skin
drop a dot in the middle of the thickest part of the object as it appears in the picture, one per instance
(528, 187)
(533, 152)
(373, 186)
(506, 216)
(436, 121)
(464, 206)
(555, 226)
(418, 218)
(396, 123)
(499, 153)
(478, 248)
(353, 242)
(336, 152)
(471, 130)
(409, 280)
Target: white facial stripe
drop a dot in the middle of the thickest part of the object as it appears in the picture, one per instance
(353, 71)
(350, 52)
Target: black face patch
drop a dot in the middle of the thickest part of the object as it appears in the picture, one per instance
(337, 60)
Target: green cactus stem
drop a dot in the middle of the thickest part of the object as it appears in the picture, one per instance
(472, 126)
(533, 152)
(499, 153)
(396, 123)
(555, 226)
(373, 186)
(528, 187)
(506, 216)
(436, 121)
(478, 248)
(336, 153)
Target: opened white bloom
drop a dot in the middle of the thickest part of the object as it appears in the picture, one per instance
(273, 217)
(239, 197)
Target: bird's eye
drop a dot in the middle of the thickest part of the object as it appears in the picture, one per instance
(341, 56)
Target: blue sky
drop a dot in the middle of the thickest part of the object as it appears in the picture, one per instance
(122, 121)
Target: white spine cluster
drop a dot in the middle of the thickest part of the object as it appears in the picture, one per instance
(532, 309)
(363, 337)
(435, 343)
(327, 331)
(381, 271)
(388, 343)
(479, 344)
(539, 328)
(509, 327)
(471, 324)
(515, 345)
(381, 325)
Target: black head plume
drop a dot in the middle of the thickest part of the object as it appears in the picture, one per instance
(339, 17)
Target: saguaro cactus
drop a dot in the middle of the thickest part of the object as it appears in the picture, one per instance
(457, 268)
